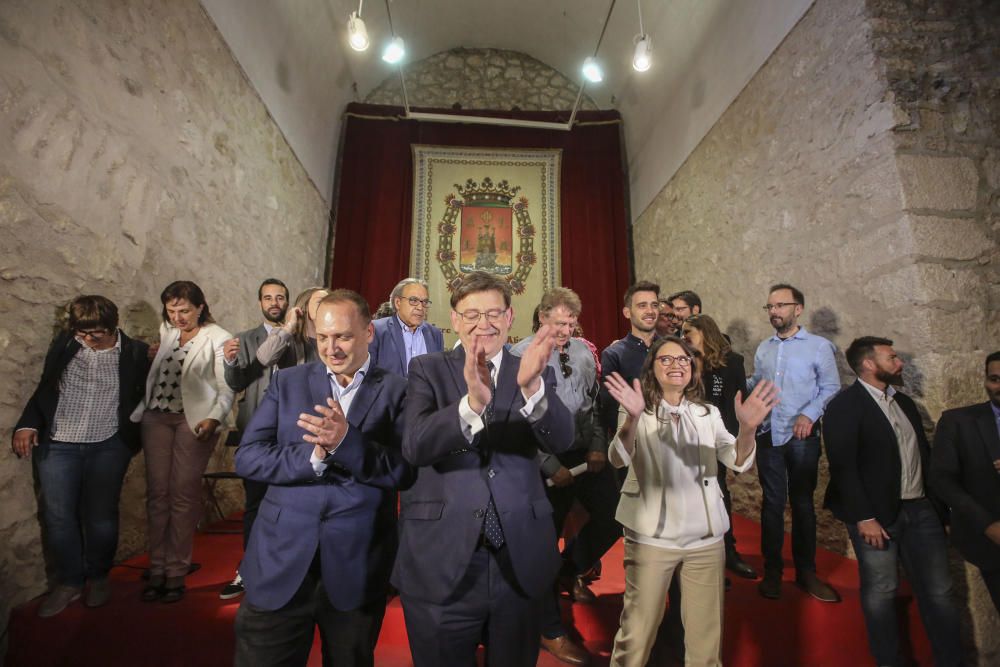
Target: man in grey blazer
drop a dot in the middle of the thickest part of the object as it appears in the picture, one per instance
(247, 373)
(406, 333)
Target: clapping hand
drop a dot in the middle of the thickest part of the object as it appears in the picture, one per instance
(758, 404)
(477, 376)
(327, 427)
(534, 360)
(629, 396)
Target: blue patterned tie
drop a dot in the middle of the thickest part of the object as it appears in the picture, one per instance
(491, 524)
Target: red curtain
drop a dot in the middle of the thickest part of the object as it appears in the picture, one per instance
(373, 207)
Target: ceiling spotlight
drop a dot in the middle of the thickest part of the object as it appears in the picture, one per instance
(592, 71)
(357, 34)
(394, 51)
(642, 61)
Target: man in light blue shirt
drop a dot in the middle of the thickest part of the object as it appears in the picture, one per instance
(406, 333)
(803, 367)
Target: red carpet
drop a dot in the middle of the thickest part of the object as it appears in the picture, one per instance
(796, 630)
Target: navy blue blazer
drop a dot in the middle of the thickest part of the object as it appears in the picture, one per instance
(387, 349)
(965, 446)
(441, 516)
(347, 514)
(865, 467)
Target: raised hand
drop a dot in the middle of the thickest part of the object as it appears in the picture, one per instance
(230, 349)
(327, 427)
(291, 324)
(629, 396)
(477, 376)
(758, 404)
(534, 360)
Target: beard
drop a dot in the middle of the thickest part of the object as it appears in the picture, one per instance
(895, 379)
(277, 319)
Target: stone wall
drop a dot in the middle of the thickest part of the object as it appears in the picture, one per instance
(860, 163)
(481, 79)
(133, 152)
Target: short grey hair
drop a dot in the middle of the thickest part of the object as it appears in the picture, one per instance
(397, 291)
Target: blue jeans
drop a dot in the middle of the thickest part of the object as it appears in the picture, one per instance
(81, 484)
(919, 540)
(788, 471)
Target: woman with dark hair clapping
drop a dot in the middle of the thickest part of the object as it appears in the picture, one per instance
(187, 399)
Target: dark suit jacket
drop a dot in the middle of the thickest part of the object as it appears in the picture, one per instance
(133, 365)
(347, 514)
(965, 446)
(441, 517)
(387, 348)
(250, 376)
(865, 466)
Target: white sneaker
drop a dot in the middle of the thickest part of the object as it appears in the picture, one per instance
(233, 589)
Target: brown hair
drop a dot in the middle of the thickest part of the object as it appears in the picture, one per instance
(641, 286)
(92, 310)
(480, 281)
(560, 296)
(185, 289)
(348, 296)
(715, 345)
(651, 391)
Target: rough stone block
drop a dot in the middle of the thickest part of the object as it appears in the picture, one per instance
(938, 183)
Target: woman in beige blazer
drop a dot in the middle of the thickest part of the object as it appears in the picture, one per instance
(187, 400)
(671, 505)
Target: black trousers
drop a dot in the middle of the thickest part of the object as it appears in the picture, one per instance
(254, 492)
(285, 636)
(598, 494)
(992, 579)
(488, 607)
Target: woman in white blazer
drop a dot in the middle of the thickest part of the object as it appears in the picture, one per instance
(671, 505)
(186, 401)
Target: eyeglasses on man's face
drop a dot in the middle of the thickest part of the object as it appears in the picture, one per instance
(92, 334)
(668, 360)
(778, 306)
(414, 302)
(473, 316)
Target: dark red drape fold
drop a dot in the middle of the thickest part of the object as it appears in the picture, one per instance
(373, 210)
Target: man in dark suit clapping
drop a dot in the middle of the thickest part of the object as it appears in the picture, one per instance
(477, 540)
(326, 439)
(965, 468)
(879, 465)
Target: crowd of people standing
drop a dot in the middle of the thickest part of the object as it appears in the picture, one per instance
(375, 461)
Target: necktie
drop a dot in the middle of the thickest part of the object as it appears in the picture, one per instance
(492, 530)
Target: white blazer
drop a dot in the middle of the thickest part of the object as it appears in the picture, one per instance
(645, 496)
(203, 376)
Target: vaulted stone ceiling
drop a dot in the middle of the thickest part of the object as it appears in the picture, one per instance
(295, 53)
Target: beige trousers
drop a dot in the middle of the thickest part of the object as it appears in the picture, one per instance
(175, 461)
(648, 571)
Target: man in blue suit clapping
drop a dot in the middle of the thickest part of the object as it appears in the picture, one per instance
(327, 440)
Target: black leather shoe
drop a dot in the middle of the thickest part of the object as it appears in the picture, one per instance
(811, 584)
(738, 566)
(770, 587)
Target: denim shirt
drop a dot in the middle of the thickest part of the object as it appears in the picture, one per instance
(805, 370)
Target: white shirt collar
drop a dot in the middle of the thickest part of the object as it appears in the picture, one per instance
(877, 393)
(359, 375)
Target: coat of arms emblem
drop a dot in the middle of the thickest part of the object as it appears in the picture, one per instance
(489, 220)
